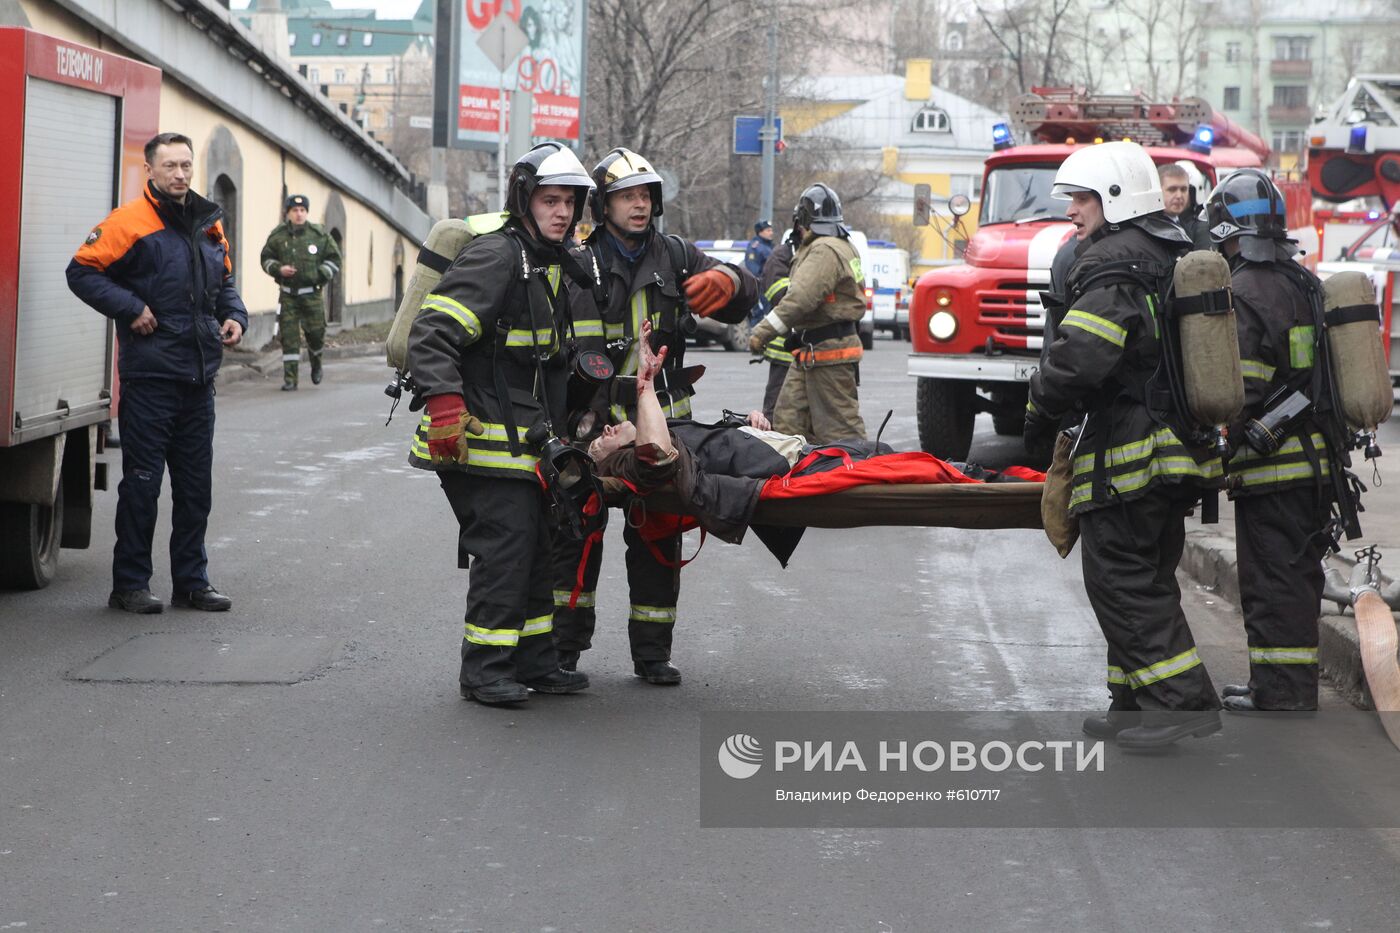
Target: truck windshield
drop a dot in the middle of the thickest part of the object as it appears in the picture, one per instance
(1020, 193)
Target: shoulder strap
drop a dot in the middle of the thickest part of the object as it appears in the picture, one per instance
(676, 247)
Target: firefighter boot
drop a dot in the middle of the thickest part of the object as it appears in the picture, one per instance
(661, 673)
(1160, 729)
(568, 660)
(559, 681)
(497, 694)
(1111, 723)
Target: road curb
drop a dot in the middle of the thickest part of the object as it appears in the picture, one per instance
(1209, 559)
(243, 365)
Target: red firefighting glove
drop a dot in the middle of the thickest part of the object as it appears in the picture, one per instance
(448, 419)
(709, 291)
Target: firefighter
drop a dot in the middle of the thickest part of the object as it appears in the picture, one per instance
(644, 276)
(773, 285)
(485, 354)
(1134, 478)
(303, 258)
(1280, 506)
(819, 314)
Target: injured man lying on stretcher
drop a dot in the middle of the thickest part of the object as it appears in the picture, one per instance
(736, 473)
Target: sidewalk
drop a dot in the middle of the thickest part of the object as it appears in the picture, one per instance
(1210, 560)
(242, 365)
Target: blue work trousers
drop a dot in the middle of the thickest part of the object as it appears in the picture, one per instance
(164, 423)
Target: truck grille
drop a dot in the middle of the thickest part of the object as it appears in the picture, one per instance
(1012, 310)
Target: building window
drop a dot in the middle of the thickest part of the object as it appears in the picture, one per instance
(291, 39)
(343, 39)
(932, 120)
(1232, 53)
(313, 75)
(339, 76)
(954, 42)
(316, 39)
(1352, 50)
(969, 185)
(388, 74)
(1290, 95)
(1292, 48)
(369, 38)
(1288, 141)
(1203, 58)
(1231, 99)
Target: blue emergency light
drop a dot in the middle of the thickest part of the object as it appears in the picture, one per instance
(1356, 142)
(1202, 139)
(1001, 136)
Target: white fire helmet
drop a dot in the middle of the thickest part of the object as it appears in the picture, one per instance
(1120, 173)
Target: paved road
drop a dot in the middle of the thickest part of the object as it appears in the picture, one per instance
(371, 797)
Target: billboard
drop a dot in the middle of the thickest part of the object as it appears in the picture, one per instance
(540, 42)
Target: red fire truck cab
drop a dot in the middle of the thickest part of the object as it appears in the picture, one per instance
(977, 328)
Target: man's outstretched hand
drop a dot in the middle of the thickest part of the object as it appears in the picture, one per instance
(648, 360)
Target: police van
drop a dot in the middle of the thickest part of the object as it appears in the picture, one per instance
(887, 291)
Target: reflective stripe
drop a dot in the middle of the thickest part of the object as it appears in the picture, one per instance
(498, 637)
(1266, 474)
(589, 328)
(1301, 353)
(1287, 464)
(775, 351)
(856, 272)
(553, 274)
(1116, 675)
(290, 357)
(544, 336)
(539, 625)
(334, 269)
(801, 355)
(1098, 326)
(1283, 655)
(664, 614)
(298, 292)
(586, 600)
(614, 331)
(777, 286)
(677, 409)
(455, 310)
(271, 266)
(488, 450)
(1254, 369)
(1163, 669)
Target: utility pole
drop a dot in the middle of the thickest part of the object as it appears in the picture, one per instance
(769, 134)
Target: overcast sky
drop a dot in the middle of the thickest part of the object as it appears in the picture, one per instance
(387, 9)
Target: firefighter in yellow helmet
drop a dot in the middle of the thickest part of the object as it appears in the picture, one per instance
(644, 275)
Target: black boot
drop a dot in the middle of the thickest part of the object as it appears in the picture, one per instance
(140, 601)
(289, 386)
(497, 694)
(207, 598)
(316, 369)
(1235, 690)
(559, 681)
(661, 673)
(1162, 729)
(1111, 723)
(568, 660)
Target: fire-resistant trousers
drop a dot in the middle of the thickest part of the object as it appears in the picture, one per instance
(654, 592)
(1280, 546)
(164, 423)
(504, 537)
(822, 404)
(1130, 553)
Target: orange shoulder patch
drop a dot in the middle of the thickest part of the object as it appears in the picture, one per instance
(110, 240)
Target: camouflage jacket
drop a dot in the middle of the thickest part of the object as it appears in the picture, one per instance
(308, 248)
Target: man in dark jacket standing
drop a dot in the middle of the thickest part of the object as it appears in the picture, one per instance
(1134, 477)
(662, 279)
(1281, 499)
(303, 258)
(1180, 205)
(486, 355)
(159, 266)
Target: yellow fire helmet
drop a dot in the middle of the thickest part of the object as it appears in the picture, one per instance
(623, 168)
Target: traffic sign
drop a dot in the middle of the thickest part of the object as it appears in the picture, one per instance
(748, 135)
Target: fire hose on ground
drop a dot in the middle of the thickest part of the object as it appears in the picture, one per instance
(1371, 601)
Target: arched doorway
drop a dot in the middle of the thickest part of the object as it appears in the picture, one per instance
(223, 168)
(334, 223)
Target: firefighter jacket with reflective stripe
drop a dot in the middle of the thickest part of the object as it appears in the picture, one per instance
(478, 334)
(826, 286)
(773, 286)
(171, 258)
(1106, 349)
(647, 286)
(1278, 341)
(306, 247)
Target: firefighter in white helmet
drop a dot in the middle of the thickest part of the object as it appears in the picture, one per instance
(1134, 478)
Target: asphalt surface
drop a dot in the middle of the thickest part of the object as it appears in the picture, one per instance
(371, 797)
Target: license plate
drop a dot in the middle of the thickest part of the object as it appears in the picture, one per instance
(1024, 371)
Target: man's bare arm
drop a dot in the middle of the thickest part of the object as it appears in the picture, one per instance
(651, 420)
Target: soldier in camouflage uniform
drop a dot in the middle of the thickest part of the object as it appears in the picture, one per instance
(819, 313)
(303, 258)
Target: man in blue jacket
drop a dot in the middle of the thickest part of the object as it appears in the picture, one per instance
(159, 267)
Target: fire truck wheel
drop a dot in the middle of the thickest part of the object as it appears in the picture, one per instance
(29, 543)
(946, 410)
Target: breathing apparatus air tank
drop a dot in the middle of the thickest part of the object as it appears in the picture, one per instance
(1210, 347)
(1358, 359)
(446, 239)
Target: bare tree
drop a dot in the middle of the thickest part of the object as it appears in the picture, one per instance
(1029, 32)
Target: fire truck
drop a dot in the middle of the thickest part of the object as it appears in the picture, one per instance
(978, 327)
(76, 120)
(1354, 153)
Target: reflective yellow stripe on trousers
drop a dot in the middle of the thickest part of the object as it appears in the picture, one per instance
(1153, 673)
